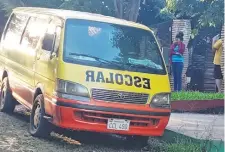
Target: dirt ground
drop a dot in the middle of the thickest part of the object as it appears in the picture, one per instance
(14, 137)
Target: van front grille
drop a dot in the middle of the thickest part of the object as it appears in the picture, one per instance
(95, 117)
(119, 96)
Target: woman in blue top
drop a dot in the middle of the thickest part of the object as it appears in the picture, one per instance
(177, 60)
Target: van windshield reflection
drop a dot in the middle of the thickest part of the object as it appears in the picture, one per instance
(119, 47)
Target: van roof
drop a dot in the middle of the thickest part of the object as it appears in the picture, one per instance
(65, 14)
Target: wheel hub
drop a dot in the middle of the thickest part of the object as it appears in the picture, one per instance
(37, 116)
(2, 97)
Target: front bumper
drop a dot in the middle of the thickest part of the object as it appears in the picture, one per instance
(93, 117)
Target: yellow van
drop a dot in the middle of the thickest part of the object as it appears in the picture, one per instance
(84, 71)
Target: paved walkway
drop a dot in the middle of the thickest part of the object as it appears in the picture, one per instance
(198, 126)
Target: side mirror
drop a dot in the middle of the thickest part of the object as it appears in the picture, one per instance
(48, 42)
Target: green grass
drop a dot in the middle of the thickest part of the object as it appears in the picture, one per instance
(190, 145)
(184, 147)
(182, 143)
(179, 145)
(196, 96)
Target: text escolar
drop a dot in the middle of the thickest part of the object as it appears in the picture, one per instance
(119, 79)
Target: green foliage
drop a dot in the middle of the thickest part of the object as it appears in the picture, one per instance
(194, 32)
(207, 13)
(214, 15)
(97, 6)
(166, 14)
(196, 96)
(8, 5)
(126, 9)
(42, 3)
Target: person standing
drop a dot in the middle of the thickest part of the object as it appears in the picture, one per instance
(217, 47)
(176, 57)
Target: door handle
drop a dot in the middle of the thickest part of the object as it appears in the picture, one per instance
(52, 55)
(39, 55)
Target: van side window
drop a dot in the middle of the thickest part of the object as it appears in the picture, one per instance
(36, 27)
(52, 38)
(15, 29)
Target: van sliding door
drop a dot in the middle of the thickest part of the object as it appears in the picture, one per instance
(46, 59)
(30, 43)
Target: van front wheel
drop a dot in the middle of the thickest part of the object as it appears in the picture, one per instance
(7, 102)
(39, 126)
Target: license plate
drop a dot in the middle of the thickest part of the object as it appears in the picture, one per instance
(118, 124)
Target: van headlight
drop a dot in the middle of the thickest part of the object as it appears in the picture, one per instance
(161, 101)
(73, 91)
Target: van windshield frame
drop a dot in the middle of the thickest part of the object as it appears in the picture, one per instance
(87, 42)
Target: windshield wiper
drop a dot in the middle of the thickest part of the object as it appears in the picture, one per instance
(141, 66)
(98, 59)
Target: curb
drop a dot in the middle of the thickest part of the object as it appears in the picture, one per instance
(196, 105)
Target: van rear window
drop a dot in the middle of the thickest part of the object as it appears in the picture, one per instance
(15, 29)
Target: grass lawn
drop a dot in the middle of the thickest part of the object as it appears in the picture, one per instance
(196, 96)
(183, 145)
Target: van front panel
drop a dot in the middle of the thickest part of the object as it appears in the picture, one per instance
(109, 71)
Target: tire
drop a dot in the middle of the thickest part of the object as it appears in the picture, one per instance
(7, 102)
(39, 126)
(138, 140)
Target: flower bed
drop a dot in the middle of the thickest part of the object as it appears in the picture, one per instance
(196, 101)
(176, 96)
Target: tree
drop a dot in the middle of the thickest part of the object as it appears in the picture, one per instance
(8, 5)
(206, 13)
(104, 7)
(149, 13)
(125, 9)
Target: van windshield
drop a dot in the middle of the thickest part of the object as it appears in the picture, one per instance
(111, 46)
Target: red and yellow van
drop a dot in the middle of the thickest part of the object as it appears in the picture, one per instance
(84, 71)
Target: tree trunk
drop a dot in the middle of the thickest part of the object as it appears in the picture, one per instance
(128, 10)
(136, 4)
(118, 4)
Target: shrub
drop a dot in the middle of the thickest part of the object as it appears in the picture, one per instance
(196, 96)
